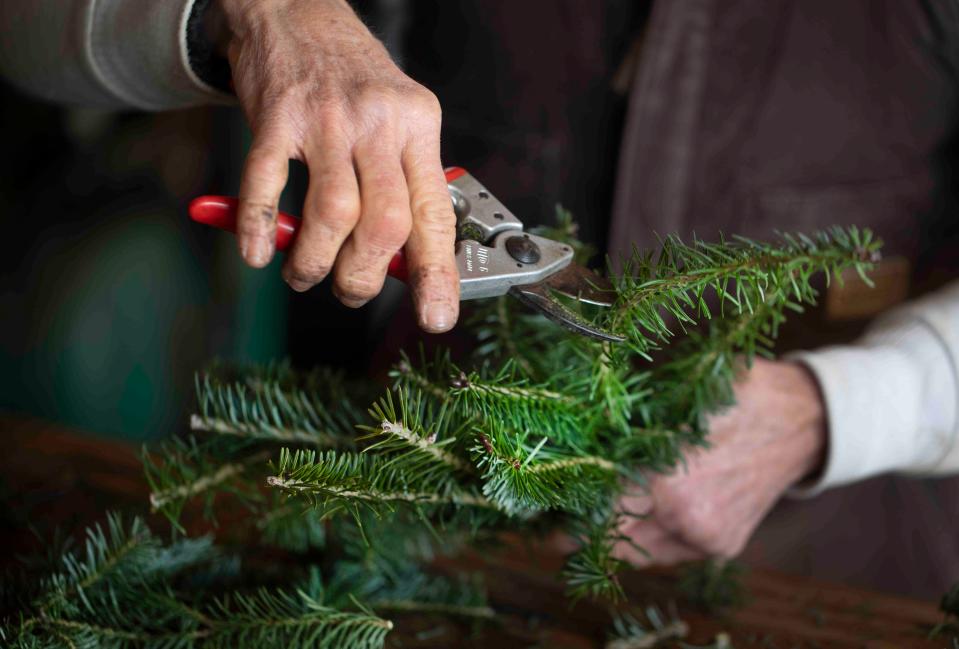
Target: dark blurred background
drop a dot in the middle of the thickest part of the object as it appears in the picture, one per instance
(111, 298)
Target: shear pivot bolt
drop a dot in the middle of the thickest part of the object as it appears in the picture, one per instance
(523, 250)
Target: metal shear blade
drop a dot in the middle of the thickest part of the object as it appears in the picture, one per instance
(575, 282)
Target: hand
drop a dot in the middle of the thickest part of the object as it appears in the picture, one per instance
(771, 439)
(316, 86)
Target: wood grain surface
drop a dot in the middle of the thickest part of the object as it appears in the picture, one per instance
(50, 475)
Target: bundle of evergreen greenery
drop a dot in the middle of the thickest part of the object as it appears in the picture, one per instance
(538, 430)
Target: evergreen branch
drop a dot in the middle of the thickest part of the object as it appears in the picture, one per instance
(521, 478)
(714, 585)
(427, 445)
(280, 619)
(511, 402)
(119, 557)
(285, 436)
(499, 390)
(506, 334)
(544, 421)
(292, 527)
(505, 331)
(949, 605)
(591, 571)
(418, 432)
(201, 484)
(630, 633)
(374, 495)
(273, 411)
(396, 581)
(350, 478)
(182, 469)
(118, 594)
(652, 449)
(432, 379)
(739, 273)
(453, 610)
(698, 379)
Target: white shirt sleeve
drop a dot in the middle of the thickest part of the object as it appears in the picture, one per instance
(892, 399)
(109, 53)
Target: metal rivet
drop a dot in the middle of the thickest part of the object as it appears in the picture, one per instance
(523, 249)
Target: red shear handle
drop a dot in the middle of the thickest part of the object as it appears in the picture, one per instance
(220, 212)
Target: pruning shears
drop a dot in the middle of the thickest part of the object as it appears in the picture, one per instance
(493, 254)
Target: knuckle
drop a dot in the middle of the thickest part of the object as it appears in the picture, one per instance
(377, 101)
(263, 164)
(428, 105)
(328, 111)
(256, 219)
(392, 229)
(431, 204)
(307, 270)
(434, 218)
(338, 209)
(433, 277)
(701, 524)
(356, 286)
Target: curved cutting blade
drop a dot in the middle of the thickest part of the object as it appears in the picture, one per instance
(578, 283)
(583, 285)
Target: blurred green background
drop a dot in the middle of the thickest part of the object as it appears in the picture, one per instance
(111, 298)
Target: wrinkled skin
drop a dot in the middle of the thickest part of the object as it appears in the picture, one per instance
(772, 439)
(316, 86)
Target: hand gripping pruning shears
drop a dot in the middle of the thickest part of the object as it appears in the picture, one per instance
(493, 254)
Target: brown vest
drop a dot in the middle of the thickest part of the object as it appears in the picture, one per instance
(745, 116)
(750, 116)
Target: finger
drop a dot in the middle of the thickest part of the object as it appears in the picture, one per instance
(434, 278)
(264, 176)
(383, 227)
(656, 546)
(637, 503)
(331, 211)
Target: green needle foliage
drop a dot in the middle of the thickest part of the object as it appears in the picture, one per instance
(538, 427)
(949, 605)
(537, 430)
(125, 589)
(714, 585)
(658, 630)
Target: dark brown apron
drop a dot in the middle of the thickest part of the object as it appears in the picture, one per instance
(744, 116)
(749, 116)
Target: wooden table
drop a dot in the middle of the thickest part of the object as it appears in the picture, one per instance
(51, 474)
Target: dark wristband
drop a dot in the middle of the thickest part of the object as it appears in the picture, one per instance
(206, 63)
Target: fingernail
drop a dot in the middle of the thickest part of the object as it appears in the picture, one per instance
(260, 252)
(353, 304)
(348, 301)
(438, 317)
(297, 285)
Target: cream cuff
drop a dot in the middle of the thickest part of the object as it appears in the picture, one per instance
(891, 400)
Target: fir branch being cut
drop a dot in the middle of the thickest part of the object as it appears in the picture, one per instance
(742, 274)
(537, 428)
